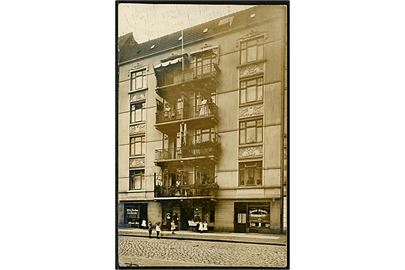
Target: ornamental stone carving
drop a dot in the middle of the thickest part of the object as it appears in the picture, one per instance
(136, 129)
(138, 96)
(136, 162)
(251, 70)
(249, 111)
(251, 152)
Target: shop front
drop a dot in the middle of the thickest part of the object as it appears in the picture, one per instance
(252, 217)
(186, 213)
(136, 215)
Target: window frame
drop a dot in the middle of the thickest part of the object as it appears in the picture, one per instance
(245, 46)
(134, 75)
(243, 127)
(259, 88)
(133, 112)
(132, 180)
(132, 145)
(254, 167)
(199, 63)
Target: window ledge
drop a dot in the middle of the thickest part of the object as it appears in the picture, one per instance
(137, 123)
(250, 187)
(247, 104)
(136, 191)
(250, 144)
(137, 90)
(137, 156)
(252, 63)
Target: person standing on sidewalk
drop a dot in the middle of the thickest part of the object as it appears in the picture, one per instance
(173, 226)
(157, 230)
(200, 227)
(150, 229)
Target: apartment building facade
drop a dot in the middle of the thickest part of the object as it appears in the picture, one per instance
(202, 125)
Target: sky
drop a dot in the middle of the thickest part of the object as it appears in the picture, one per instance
(149, 21)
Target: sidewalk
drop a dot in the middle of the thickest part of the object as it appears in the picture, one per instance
(253, 238)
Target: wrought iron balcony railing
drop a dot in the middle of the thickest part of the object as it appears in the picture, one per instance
(205, 149)
(200, 111)
(187, 190)
(188, 75)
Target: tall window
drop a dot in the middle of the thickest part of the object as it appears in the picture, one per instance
(204, 64)
(251, 90)
(138, 80)
(251, 131)
(251, 50)
(250, 173)
(137, 146)
(136, 178)
(137, 112)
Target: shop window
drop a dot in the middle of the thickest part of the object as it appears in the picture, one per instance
(251, 50)
(250, 173)
(259, 219)
(137, 112)
(137, 146)
(138, 80)
(136, 179)
(251, 131)
(251, 90)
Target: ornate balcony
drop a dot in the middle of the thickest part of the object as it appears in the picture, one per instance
(195, 190)
(201, 78)
(186, 153)
(196, 149)
(199, 116)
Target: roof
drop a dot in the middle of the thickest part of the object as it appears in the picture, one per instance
(195, 33)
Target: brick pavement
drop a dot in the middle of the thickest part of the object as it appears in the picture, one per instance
(174, 252)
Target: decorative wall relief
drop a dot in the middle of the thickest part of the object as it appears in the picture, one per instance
(136, 129)
(138, 96)
(136, 162)
(251, 152)
(251, 70)
(249, 111)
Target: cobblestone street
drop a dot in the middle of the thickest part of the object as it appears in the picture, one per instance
(173, 252)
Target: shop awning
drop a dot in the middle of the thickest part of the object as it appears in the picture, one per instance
(168, 63)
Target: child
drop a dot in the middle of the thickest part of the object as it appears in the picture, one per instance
(205, 226)
(150, 229)
(173, 226)
(157, 230)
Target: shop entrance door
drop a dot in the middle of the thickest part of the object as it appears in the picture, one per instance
(240, 210)
(186, 214)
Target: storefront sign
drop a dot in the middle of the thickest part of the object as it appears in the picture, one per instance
(133, 212)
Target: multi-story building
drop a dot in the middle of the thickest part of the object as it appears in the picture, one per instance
(202, 125)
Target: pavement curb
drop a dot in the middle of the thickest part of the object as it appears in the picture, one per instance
(189, 237)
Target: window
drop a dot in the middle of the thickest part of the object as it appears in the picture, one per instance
(136, 179)
(251, 50)
(251, 90)
(204, 64)
(251, 131)
(138, 80)
(137, 112)
(204, 174)
(250, 173)
(204, 135)
(137, 146)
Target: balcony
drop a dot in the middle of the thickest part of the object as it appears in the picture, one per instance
(203, 115)
(196, 151)
(195, 190)
(201, 78)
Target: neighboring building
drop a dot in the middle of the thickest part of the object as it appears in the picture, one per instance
(202, 127)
